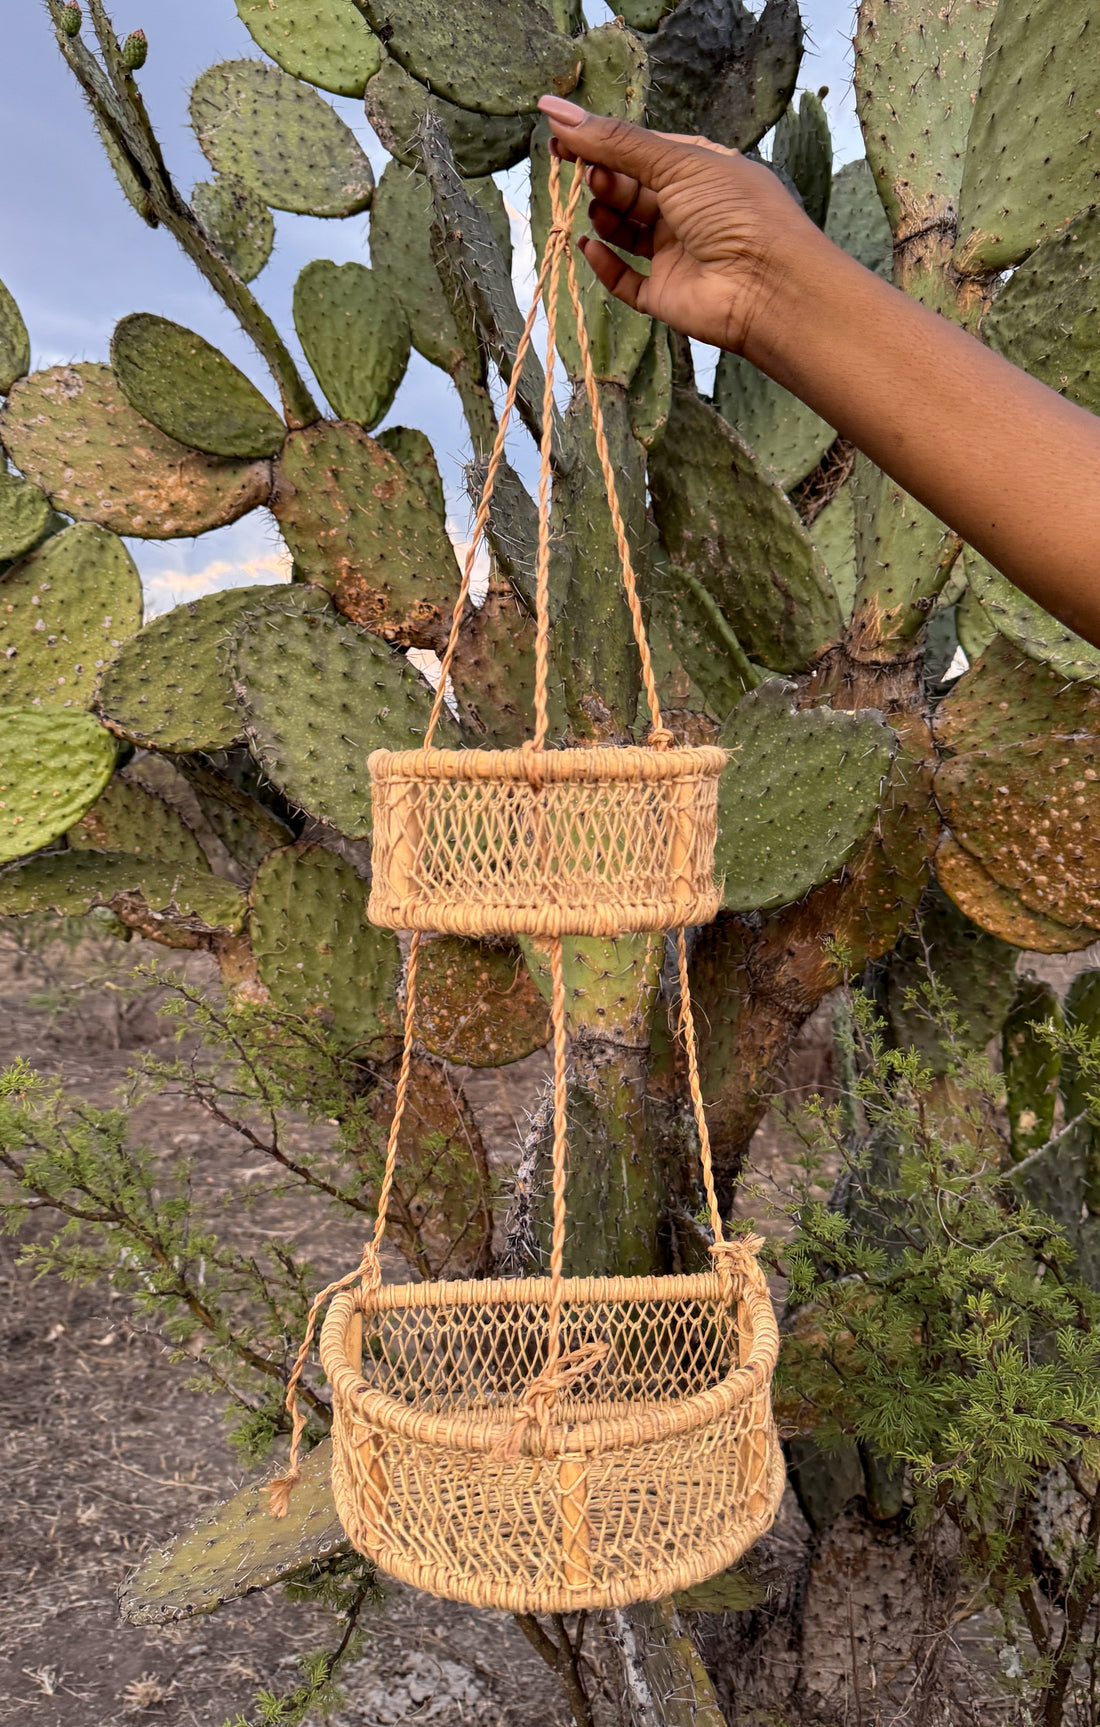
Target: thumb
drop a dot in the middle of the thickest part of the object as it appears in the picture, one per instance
(651, 158)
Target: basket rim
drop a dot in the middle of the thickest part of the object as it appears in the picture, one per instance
(485, 1432)
(639, 763)
(439, 916)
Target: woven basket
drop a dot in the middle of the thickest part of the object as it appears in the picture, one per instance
(659, 1468)
(547, 843)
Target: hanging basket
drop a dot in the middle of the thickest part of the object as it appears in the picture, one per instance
(657, 1468)
(546, 843)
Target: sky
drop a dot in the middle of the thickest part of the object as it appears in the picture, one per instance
(77, 258)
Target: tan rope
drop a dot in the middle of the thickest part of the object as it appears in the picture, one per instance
(726, 1254)
(557, 1235)
(369, 1270)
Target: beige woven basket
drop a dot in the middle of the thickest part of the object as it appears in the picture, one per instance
(558, 842)
(659, 1466)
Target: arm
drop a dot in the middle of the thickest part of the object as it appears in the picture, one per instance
(1006, 462)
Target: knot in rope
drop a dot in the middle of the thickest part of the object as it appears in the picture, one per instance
(733, 1258)
(531, 752)
(659, 738)
(540, 1395)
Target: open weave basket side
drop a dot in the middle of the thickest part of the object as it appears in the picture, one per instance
(547, 843)
(660, 1467)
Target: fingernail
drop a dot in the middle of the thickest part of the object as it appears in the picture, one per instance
(565, 113)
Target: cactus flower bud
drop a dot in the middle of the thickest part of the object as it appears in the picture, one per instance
(134, 50)
(71, 18)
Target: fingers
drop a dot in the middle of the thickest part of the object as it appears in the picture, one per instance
(647, 157)
(624, 194)
(618, 278)
(620, 231)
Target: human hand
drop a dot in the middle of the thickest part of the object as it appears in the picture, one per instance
(720, 232)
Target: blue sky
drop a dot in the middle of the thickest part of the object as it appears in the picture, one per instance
(77, 258)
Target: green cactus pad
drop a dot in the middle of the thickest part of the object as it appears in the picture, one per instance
(1006, 699)
(53, 767)
(482, 143)
(724, 521)
(899, 551)
(478, 1005)
(702, 641)
(183, 385)
(1046, 318)
(494, 56)
(976, 970)
(413, 450)
(128, 818)
(1031, 1067)
(357, 523)
(857, 220)
(833, 532)
(238, 1548)
(1024, 622)
(326, 42)
(1082, 1012)
(1033, 157)
(238, 222)
(650, 394)
(643, 14)
(317, 953)
(15, 344)
(998, 910)
(283, 140)
(718, 71)
(789, 438)
(129, 185)
(65, 612)
(493, 674)
(801, 791)
(355, 336)
(401, 251)
(72, 431)
(318, 696)
(973, 626)
(916, 76)
(615, 76)
(1031, 815)
(154, 894)
(171, 686)
(25, 515)
(803, 150)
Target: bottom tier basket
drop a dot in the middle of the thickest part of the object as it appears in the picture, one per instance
(661, 1466)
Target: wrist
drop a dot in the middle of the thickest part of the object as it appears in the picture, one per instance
(802, 278)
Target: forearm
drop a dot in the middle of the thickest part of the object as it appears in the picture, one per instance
(1003, 460)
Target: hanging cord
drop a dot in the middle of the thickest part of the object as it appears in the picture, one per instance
(368, 1272)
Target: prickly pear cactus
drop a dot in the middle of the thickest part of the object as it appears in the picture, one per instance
(792, 593)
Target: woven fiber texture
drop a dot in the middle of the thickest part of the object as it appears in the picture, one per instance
(658, 1467)
(562, 842)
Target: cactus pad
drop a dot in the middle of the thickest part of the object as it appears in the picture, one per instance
(182, 384)
(1000, 911)
(899, 548)
(401, 251)
(238, 222)
(650, 394)
(128, 818)
(72, 431)
(355, 335)
(65, 612)
(857, 221)
(1041, 636)
(357, 522)
(803, 150)
(326, 42)
(238, 1548)
(702, 641)
(916, 77)
(718, 71)
(317, 953)
(478, 1005)
(787, 436)
(973, 626)
(833, 533)
(53, 767)
(155, 896)
(1031, 1066)
(24, 515)
(482, 143)
(1046, 318)
(725, 522)
(493, 674)
(1032, 157)
(1006, 699)
(282, 139)
(801, 791)
(976, 970)
(1031, 815)
(318, 696)
(171, 687)
(494, 56)
(15, 344)
(413, 450)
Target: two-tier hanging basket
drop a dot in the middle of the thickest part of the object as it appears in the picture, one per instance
(552, 1443)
